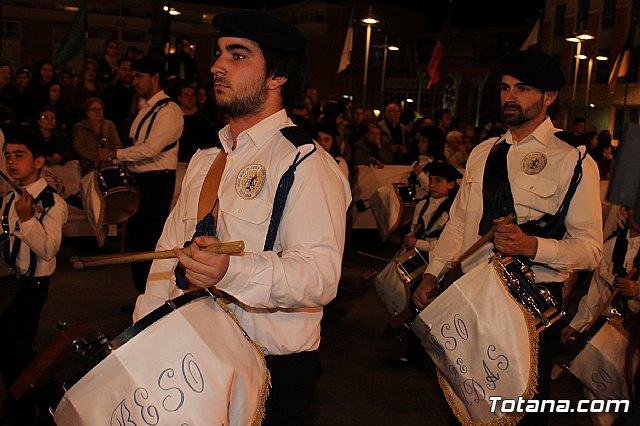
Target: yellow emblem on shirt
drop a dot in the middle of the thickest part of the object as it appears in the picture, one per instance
(250, 181)
(533, 163)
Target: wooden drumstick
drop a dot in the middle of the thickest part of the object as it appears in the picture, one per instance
(484, 239)
(79, 263)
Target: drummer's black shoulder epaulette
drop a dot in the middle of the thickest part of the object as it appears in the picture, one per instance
(296, 135)
(564, 136)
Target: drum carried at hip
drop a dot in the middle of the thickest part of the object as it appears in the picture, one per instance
(187, 362)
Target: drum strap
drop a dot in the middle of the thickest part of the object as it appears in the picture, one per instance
(153, 112)
(207, 209)
(298, 137)
(497, 200)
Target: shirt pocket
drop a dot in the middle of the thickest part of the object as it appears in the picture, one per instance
(254, 211)
(536, 192)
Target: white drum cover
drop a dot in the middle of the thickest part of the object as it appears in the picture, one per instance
(483, 344)
(194, 366)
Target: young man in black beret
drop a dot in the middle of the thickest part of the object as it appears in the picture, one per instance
(280, 194)
(526, 172)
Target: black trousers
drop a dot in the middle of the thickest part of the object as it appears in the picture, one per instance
(18, 327)
(293, 380)
(145, 227)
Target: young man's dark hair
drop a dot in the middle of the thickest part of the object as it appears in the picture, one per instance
(291, 65)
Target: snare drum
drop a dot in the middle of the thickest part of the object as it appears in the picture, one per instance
(187, 362)
(537, 299)
(120, 192)
(411, 265)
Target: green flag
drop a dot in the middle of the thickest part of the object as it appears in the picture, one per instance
(74, 39)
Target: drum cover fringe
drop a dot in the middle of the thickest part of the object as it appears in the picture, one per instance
(266, 383)
(509, 419)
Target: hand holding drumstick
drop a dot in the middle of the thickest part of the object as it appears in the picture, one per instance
(203, 268)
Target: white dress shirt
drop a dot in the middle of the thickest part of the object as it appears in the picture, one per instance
(599, 290)
(146, 155)
(534, 195)
(43, 238)
(281, 297)
(434, 203)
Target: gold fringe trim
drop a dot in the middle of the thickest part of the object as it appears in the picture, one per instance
(508, 419)
(266, 381)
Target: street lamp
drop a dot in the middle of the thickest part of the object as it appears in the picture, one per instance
(387, 47)
(577, 38)
(369, 20)
(589, 72)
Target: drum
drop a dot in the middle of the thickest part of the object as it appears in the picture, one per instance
(411, 265)
(392, 206)
(187, 362)
(483, 343)
(121, 196)
(520, 281)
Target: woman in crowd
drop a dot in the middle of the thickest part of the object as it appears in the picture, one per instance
(57, 141)
(108, 64)
(326, 138)
(89, 86)
(93, 133)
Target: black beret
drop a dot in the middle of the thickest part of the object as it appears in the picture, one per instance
(442, 169)
(260, 27)
(432, 133)
(533, 68)
(147, 66)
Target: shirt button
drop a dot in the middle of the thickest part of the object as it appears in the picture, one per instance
(230, 159)
(239, 211)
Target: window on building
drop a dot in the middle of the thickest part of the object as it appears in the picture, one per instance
(558, 24)
(608, 14)
(9, 30)
(583, 15)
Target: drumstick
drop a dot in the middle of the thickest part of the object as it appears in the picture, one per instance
(604, 307)
(11, 183)
(484, 239)
(79, 263)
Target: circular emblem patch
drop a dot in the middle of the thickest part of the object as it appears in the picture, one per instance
(250, 181)
(533, 163)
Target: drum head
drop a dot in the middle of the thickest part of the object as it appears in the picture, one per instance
(120, 205)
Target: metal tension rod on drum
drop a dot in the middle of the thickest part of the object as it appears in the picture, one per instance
(79, 263)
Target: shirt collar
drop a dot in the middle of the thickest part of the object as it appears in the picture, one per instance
(542, 133)
(155, 98)
(35, 188)
(259, 134)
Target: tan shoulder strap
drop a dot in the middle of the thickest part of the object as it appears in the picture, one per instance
(209, 191)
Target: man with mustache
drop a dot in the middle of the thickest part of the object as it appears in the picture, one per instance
(278, 192)
(526, 172)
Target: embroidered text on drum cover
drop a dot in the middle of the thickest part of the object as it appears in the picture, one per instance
(522, 405)
(173, 388)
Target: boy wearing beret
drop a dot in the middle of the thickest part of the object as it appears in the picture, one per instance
(550, 187)
(280, 194)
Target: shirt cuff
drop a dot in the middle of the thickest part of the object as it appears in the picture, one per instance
(547, 252)
(435, 268)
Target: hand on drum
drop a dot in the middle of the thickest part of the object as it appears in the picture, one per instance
(24, 207)
(203, 269)
(510, 240)
(426, 291)
(567, 335)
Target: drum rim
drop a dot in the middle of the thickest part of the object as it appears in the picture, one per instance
(158, 313)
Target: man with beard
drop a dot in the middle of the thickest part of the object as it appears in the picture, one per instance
(275, 190)
(529, 172)
(153, 159)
